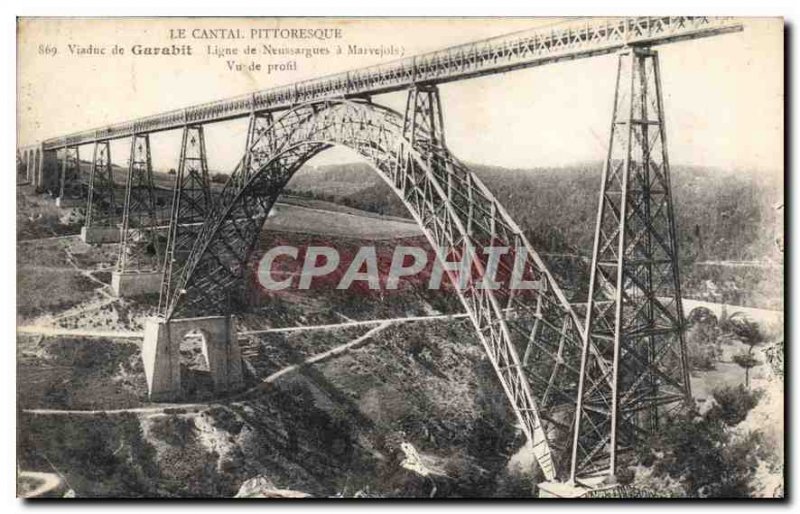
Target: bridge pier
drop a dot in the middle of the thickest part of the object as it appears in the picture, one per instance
(553, 489)
(67, 203)
(46, 173)
(30, 171)
(101, 208)
(577, 489)
(69, 179)
(634, 261)
(27, 157)
(161, 354)
(140, 254)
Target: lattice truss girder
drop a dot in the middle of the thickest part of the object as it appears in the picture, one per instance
(578, 38)
(532, 336)
(140, 248)
(102, 207)
(634, 316)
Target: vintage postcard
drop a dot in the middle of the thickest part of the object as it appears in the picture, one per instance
(400, 257)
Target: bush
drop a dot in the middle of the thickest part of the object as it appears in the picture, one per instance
(219, 178)
(625, 476)
(733, 403)
(704, 455)
(702, 359)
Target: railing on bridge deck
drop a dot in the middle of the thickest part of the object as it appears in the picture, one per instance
(573, 39)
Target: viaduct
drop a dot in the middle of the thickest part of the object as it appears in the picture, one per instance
(585, 391)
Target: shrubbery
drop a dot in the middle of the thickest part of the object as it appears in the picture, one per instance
(733, 403)
(701, 451)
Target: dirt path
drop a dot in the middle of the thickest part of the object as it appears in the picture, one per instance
(48, 482)
(161, 408)
(321, 357)
(741, 264)
(49, 331)
(57, 331)
(335, 326)
(48, 238)
(104, 288)
(196, 407)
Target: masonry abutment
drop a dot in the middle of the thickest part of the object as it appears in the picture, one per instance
(161, 354)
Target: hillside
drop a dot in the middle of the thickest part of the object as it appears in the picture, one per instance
(721, 216)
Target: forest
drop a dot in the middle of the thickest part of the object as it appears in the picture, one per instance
(729, 222)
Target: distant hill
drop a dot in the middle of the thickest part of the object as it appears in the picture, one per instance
(721, 215)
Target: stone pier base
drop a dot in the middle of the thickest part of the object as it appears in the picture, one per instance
(100, 235)
(579, 489)
(561, 490)
(161, 354)
(135, 283)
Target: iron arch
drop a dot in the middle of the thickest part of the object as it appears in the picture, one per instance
(532, 340)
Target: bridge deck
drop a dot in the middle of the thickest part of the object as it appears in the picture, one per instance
(576, 39)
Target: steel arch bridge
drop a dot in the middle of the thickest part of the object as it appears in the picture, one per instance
(532, 338)
(596, 388)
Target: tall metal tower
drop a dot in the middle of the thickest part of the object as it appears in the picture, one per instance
(69, 178)
(191, 204)
(634, 316)
(138, 244)
(101, 208)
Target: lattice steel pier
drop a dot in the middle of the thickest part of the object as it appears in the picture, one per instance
(634, 316)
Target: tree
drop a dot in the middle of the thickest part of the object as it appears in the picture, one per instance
(747, 361)
(748, 332)
(702, 339)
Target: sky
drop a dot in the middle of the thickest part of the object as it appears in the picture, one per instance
(723, 96)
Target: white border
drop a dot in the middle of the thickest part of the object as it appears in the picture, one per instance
(786, 8)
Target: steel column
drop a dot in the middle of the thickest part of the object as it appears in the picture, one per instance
(258, 146)
(69, 178)
(139, 247)
(191, 204)
(634, 315)
(100, 206)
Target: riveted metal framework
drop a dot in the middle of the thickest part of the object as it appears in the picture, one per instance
(634, 315)
(191, 204)
(574, 39)
(69, 180)
(139, 248)
(258, 146)
(596, 389)
(457, 214)
(101, 207)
